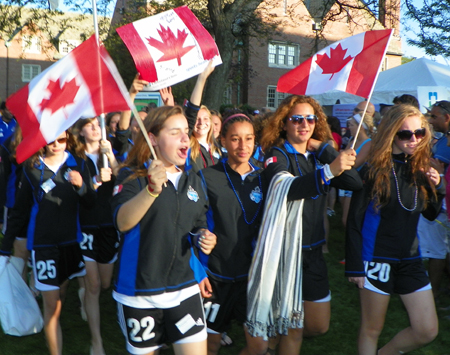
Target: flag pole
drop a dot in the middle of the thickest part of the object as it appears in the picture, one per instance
(102, 115)
(370, 95)
(133, 108)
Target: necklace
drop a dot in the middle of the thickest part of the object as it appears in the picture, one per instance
(398, 192)
(237, 196)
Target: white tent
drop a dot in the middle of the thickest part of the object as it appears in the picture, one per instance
(405, 79)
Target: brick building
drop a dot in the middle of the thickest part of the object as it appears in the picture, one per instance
(298, 36)
(27, 53)
(297, 42)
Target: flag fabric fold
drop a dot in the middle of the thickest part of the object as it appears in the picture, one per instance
(169, 47)
(85, 83)
(350, 65)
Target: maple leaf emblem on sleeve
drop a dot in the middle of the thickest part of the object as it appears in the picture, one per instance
(60, 97)
(335, 62)
(171, 46)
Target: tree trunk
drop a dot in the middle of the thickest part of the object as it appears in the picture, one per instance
(222, 19)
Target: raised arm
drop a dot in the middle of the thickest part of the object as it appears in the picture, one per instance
(125, 116)
(197, 93)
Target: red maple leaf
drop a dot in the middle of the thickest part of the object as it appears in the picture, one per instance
(335, 62)
(60, 97)
(171, 46)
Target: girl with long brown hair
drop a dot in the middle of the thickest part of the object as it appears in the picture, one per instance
(295, 141)
(382, 254)
(100, 239)
(156, 288)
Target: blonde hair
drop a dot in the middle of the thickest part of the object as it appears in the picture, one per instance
(195, 145)
(380, 155)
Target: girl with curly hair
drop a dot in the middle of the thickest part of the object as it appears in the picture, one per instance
(295, 141)
(382, 254)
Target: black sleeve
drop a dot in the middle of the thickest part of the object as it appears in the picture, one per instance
(86, 192)
(191, 110)
(435, 203)
(119, 143)
(19, 215)
(359, 204)
(5, 171)
(124, 190)
(306, 186)
(349, 179)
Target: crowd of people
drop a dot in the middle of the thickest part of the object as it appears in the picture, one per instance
(209, 217)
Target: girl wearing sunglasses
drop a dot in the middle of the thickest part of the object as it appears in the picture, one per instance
(53, 184)
(382, 256)
(295, 142)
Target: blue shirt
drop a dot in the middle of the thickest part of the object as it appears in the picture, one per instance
(441, 151)
(6, 129)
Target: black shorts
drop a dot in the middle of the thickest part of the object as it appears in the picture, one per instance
(100, 244)
(228, 302)
(146, 330)
(315, 275)
(401, 278)
(54, 265)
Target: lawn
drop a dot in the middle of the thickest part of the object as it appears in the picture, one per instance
(340, 339)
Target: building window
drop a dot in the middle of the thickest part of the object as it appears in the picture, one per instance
(31, 44)
(29, 71)
(67, 45)
(283, 55)
(226, 100)
(274, 98)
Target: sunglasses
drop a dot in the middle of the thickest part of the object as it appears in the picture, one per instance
(406, 135)
(442, 105)
(60, 141)
(298, 119)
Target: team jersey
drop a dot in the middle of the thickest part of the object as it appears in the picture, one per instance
(309, 184)
(156, 255)
(50, 203)
(389, 234)
(234, 216)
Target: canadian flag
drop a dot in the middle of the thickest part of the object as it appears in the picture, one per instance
(349, 65)
(85, 83)
(169, 47)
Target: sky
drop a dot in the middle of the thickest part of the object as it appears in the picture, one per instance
(412, 51)
(408, 51)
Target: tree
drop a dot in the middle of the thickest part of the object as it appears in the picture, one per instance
(34, 16)
(234, 22)
(433, 20)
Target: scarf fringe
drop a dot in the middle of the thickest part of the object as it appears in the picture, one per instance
(275, 278)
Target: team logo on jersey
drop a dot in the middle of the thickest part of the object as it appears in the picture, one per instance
(66, 174)
(192, 194)
(117, 189)
(270, 161)
(256, 195)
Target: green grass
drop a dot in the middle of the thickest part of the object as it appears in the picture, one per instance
(340, 339)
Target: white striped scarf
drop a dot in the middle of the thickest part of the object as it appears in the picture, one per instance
(274, 288)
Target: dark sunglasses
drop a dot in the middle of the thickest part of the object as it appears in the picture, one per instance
(406, 134)
(60, 141)
(442, 105)
(298, 119)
